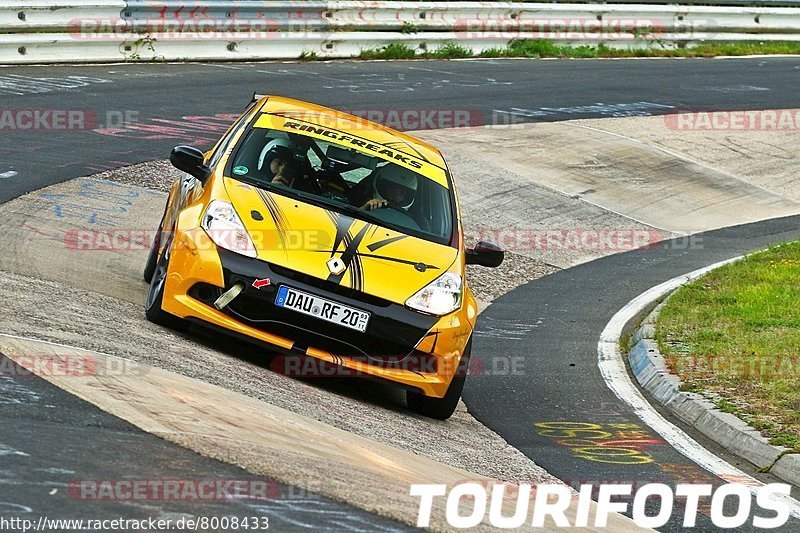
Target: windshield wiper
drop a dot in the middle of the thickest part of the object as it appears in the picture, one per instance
(364, 215)
(348, 209)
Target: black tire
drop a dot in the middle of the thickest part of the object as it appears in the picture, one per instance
(442, 408)
(152, 258)
(155, 294)
(150, 266)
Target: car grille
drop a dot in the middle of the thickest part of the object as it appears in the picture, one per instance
(392, 333)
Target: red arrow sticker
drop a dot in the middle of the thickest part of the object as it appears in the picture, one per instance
(259, 283)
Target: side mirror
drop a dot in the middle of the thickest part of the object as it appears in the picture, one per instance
(190, 160)
(485, 254)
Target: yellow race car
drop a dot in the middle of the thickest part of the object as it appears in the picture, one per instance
(330, 239)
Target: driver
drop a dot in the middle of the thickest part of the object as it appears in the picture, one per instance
(392, 186)
(278, 157)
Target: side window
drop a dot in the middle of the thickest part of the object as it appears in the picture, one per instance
(225, 142)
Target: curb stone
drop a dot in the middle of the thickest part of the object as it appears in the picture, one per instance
(649, 368)
(787, 467)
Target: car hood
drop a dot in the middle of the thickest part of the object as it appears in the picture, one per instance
(306, 238)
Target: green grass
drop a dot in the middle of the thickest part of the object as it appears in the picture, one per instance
(308, 56)
(744, 49)
(449, 51)
(402, 51)
(542, 48)
(390, 51)
(735, 333)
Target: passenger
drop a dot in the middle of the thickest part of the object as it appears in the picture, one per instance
(277, 158)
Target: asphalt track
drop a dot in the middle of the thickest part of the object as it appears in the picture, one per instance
(553, 385)
(157, 97)
(68, 442)
(558, 318)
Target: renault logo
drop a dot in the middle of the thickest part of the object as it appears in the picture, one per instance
(336, 266)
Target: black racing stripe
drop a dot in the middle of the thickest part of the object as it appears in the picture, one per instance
(343, 224)
(276, 214)
(354, 277)
(335, 219)
(349, 255)
(380, 244)
(357, 268)
(332, 215)
(353, 266)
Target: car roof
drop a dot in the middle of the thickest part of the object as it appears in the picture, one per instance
(347, 123)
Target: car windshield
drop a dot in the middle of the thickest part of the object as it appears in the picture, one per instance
(346, 179)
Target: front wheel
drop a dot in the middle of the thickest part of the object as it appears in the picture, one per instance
(152, 258)
(442, 408)
(155, 294)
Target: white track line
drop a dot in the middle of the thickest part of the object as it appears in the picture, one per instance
(612, 366)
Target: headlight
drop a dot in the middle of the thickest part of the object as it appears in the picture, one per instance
(225, 228)
(441, 296)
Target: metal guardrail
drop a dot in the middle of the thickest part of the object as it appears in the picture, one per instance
(740, 3)
(45, 31)
(245, 14)
(26, 16)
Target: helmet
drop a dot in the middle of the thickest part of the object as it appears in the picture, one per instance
(396, 185)
(276, 148)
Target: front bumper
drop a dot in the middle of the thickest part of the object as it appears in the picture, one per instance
(414, 350)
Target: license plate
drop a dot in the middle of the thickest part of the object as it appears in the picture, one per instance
(311, 305)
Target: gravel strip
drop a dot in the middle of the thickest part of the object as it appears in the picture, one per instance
(158, 175)
(51, 311)
(489, 284)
